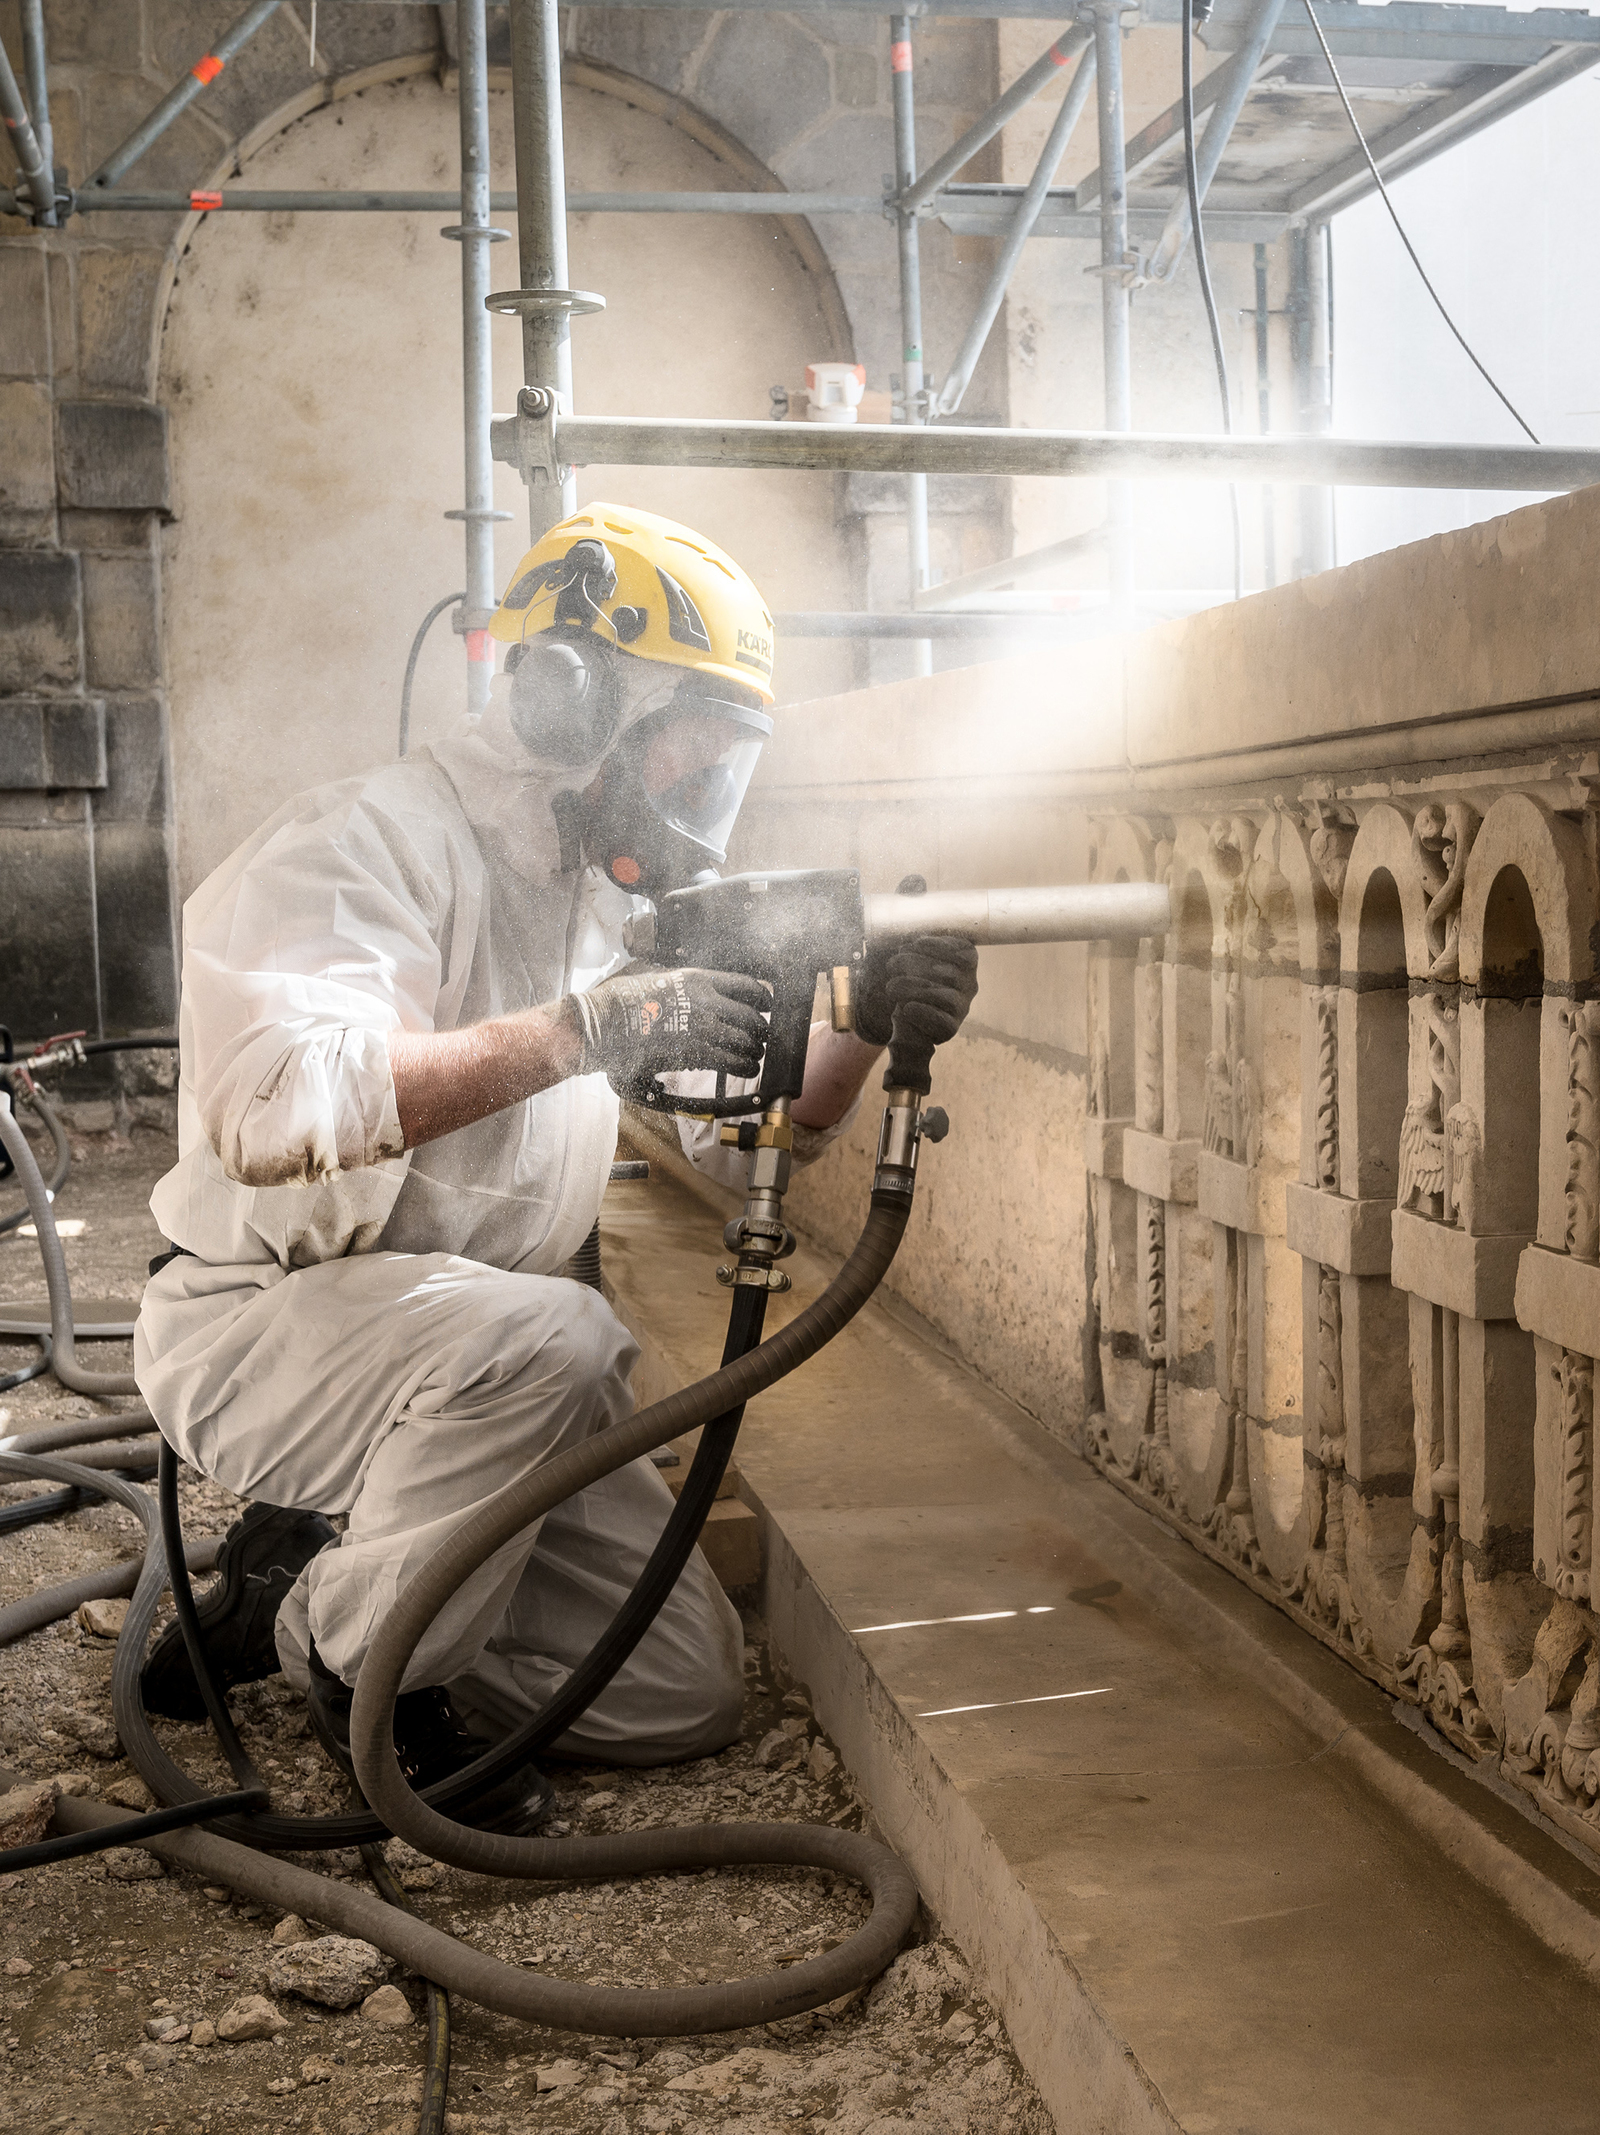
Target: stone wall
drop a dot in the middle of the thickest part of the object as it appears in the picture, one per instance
(1291, 1219)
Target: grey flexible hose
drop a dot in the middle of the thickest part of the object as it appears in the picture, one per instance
(268, 1879)
(36, 1610)
(63, 1164)
(81, 1431)
(65, 1360)
(632, 2012)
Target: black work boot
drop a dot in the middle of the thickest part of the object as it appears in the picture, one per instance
(262, 1555)
(431, 1744)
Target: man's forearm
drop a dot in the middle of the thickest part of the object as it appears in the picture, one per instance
(452, 1078)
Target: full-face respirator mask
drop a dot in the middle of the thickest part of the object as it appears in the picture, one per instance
(661, 807)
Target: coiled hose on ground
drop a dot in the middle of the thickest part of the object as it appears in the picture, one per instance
(717, 1402)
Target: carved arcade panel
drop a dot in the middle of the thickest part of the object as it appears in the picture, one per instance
(1345, 1197)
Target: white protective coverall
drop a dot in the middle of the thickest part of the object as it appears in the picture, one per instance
(362, 1329)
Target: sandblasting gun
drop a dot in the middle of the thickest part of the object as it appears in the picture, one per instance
(793, 928)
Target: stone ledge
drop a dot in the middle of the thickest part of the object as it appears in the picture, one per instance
(52, 744)
(1130, 1870)
(1168, 1170)
(1242, 1196)
(1558, 1299)
(1102, 1147)
(1353, 1236)
(1476, 1277)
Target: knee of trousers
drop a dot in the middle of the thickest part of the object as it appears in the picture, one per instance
(571, 1350)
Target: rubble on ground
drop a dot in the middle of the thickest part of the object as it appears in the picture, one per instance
(164, 2002)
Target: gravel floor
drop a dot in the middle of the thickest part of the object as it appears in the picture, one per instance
(114, 1976)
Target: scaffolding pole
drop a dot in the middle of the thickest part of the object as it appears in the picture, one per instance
(544, 302)
(1114, 291)
(532, 439)
(36, 73)
(1308, 329)
(475, 235)
(183, 93)
(905, 172)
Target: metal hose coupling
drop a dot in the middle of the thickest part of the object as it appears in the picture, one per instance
(905, 1127)
(759, 1235)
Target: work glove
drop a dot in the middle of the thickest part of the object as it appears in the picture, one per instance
(920, 988)
(642, 1023)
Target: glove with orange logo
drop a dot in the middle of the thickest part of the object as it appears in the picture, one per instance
(641, 1024)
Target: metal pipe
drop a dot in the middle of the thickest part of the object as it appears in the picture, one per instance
(1090, 455)
(1308, 316)
(477, 374)
(1022, 91)
(1027, 214)
(36, 176)
(327, 200)
(542, 228)
(905, 171)
(1078, 911)
(36, 72)
(183, 92)
(1241, 71)
(1269, 541)
(1115, 267)
(832, 623)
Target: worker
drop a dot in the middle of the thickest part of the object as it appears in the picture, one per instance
(407, 1012)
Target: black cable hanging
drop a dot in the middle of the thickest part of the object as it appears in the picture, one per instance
(1191, 172)
(413, 657)
(1400, 229)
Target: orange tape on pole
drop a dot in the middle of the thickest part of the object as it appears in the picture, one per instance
(480, 646)
(900, 56)
(201, 201)
(207, 69)
(1057, 57)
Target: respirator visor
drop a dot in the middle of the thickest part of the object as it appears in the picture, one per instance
(695, 761)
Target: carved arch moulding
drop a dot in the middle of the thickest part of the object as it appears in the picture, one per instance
(1350, 1244)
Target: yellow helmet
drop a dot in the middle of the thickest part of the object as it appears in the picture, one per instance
(661, 592)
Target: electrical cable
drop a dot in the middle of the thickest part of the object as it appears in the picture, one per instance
(1400, 229)
(415, 655)
(436, 2056)
(1191, 172)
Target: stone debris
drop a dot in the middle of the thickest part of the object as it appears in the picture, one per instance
(88, 1961)
(104, 1618)
(26, 1811)
(388, 2008)
(129, 1793)
(129, 1864)
(251, 2017)
(335, 1971)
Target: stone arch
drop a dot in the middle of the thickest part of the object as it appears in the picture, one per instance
(1503, 1062)
(1125, 850)
(1383, 946)
(1387, 1502)
(356, 401)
